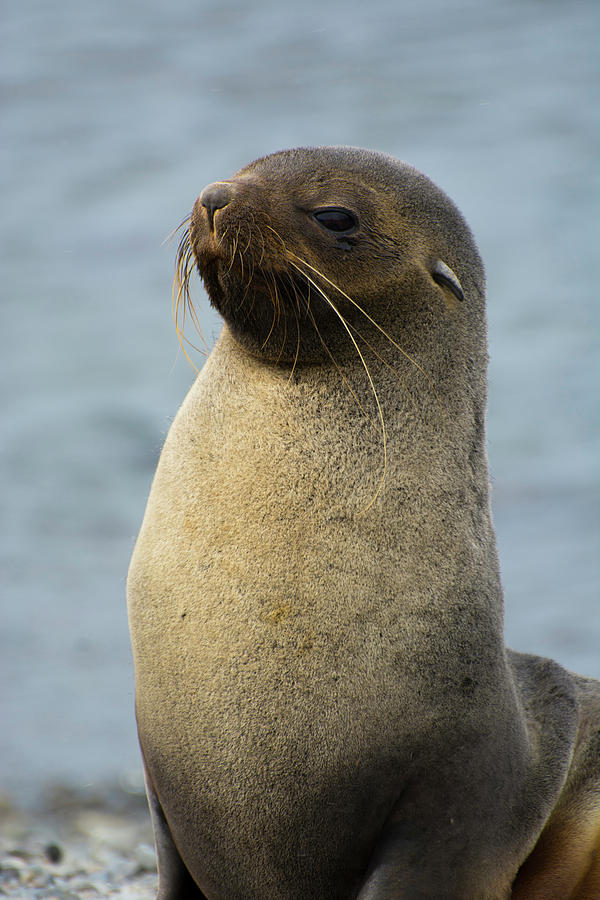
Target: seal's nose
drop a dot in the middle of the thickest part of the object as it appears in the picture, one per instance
(215, 196)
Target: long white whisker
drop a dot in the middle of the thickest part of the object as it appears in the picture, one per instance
(379, 328)
(366, 368)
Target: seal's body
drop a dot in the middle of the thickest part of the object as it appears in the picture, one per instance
(325, 705)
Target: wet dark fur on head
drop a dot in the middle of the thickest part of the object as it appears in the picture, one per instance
(268, 287)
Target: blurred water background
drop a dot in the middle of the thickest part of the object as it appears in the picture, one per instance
(113, 116)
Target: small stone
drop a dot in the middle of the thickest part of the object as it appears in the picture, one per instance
(145, 857)
(53, 853)
(9, 873)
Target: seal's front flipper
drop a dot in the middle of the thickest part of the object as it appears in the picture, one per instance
(403, 865)
(174, 880)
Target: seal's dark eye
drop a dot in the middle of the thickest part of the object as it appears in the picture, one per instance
(334, 219)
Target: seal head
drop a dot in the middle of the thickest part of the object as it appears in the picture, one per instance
(291, 270)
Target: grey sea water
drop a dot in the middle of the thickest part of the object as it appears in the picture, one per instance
(113, 117)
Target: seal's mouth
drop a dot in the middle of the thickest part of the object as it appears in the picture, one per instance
(269, 305)
(271, 309)
(273, 299)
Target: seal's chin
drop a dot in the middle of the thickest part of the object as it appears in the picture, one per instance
(273, 308)
(268, 313)
(212, 271)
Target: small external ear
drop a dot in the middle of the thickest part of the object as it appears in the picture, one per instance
(445, 277)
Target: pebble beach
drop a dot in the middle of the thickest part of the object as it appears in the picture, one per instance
(78, 845)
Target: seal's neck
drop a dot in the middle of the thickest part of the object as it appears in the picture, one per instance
(365, 429)
(301, 458)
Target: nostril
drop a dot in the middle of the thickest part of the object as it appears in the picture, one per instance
(215, 196)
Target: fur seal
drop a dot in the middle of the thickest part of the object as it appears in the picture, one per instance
(326, 708)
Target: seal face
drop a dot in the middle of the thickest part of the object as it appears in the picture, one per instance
(286, 269)
(325, 705)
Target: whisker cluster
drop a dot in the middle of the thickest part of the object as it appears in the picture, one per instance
(182, 304)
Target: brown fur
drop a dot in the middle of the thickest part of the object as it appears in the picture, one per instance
(325, 705)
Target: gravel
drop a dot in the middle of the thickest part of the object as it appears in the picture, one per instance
(77, 844)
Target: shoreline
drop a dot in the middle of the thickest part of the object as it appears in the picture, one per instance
(77, 843)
